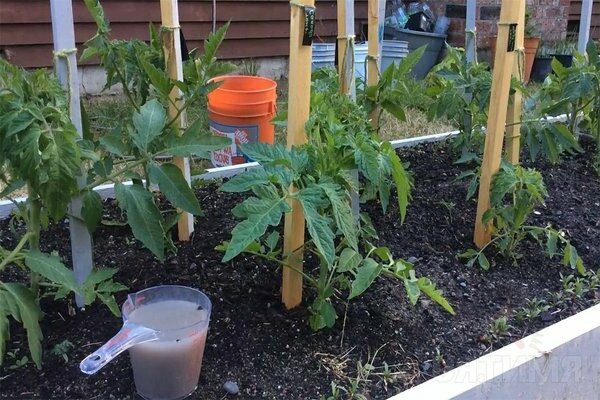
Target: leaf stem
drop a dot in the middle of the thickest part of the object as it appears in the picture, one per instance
(13, 254)
(33, 228)
(267, 257)
(112, 176)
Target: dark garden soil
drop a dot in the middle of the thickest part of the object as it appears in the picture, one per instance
(270, 352)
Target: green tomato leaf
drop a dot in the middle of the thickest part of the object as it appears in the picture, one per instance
(483, 261)
(260, 214)
(323, 314)
(551, 243)
(317, 224)
(174, 186)
(91, 210)
(367, 272)
(149, 123)
(342, 212)
(349, 260)
(412, 289)
(23, 306)
(401, 179)
(196, 141)
(113, 143)
(426, 286)
(4, 328)
(272, 240)
(142, 216)
(110, 302)
(159, 78)
(246, 181)
(51, 268)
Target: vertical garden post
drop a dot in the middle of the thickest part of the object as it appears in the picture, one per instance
(515, 105)
(172, 48)
(65, 54)
(470, 31)
(345, 46)
(299, 101)
(584, 25)
(374, 52)
(492, 153)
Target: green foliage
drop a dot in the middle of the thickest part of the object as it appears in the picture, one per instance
(149, 132)
(461, 93)
(62, 350)
(38, 149)
(315, 176)
(394, 92)
(577, 287)
(37, 139)
(532, 310)
(574, 91)
(515, 193)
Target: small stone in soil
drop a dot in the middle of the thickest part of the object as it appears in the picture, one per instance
(412, 259)
(546, 316)
(462, 284)
(231, 388)
(426, 366)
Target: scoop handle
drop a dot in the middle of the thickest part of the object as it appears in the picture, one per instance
(129, 335)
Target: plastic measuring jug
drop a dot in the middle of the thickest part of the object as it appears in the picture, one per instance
(165, 330)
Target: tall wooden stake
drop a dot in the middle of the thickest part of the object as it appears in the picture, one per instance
(374, 53)
(66, 69)
(299, 101)
(345, 22)
(172, 42)
(515, 105)
(492, 153)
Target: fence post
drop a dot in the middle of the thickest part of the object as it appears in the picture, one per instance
(65, 60)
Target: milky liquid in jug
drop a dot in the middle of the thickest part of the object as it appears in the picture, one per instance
(169, 368)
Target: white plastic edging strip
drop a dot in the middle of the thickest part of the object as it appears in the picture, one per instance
(561, 361)
(108, 191)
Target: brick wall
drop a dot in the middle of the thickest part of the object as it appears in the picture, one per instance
(550, 18)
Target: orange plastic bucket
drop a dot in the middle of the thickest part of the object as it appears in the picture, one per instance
(241, 108)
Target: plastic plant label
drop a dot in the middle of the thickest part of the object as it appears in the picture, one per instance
(512, 37)
(309, 25)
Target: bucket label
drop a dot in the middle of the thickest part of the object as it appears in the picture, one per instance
(239, 135)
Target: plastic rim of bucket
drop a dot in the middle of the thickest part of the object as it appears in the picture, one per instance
(243, 96)
(395, 43)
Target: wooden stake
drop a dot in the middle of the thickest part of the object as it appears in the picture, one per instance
(492, 153)
(66, 70)
(374, 53)
(172, 48)
(299, 101)
(515, 105)
(345, 21)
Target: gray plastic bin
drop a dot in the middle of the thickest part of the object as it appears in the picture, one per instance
(415, 39)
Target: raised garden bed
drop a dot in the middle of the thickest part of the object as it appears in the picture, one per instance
(272, 353)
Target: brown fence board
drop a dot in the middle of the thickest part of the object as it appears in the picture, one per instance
(258, 29)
